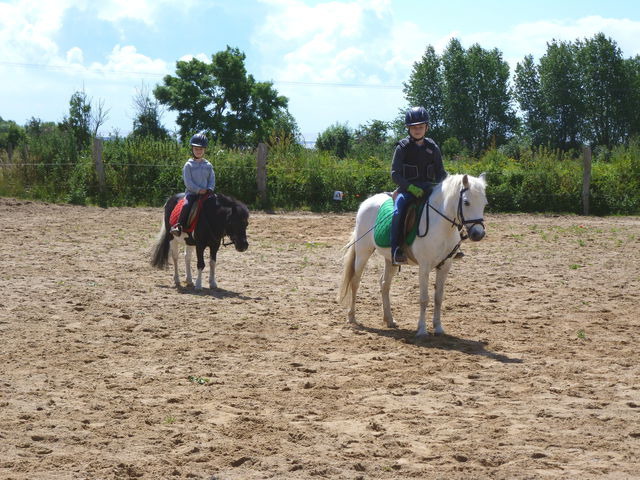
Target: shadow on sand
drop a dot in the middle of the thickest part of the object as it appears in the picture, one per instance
(208, 292)
(442, 342)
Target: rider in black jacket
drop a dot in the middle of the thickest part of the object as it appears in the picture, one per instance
(416, 168)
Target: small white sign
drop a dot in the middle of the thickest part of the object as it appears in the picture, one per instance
(337, 195)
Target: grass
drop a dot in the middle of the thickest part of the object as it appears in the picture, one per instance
(198, 380)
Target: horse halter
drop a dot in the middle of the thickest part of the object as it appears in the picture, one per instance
(463, 222)
(460, 222)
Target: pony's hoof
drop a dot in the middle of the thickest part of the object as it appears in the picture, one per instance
(189, 284)
(392, 324)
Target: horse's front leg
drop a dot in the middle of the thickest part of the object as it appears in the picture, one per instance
(213, 250)
(385, 287)
(441, 277)
(423, 274)
(200, 265)
(187, 262)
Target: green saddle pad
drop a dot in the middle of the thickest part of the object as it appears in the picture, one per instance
(382, 230)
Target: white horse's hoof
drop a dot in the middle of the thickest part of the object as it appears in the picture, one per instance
(189, 284)
(422, 335)
(391, 323)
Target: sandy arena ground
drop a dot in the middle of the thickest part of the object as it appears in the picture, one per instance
(110, 372)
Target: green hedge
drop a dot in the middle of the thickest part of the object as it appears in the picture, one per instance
(146, 172)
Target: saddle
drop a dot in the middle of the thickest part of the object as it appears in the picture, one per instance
(382, 229)
(194, 214)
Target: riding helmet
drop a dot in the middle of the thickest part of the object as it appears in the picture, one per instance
(199, 140)
(416, 116)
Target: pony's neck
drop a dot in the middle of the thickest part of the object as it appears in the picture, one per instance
(445, 195)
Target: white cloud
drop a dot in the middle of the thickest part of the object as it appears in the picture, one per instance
(146, 11)
(331, 41)
(75, 55)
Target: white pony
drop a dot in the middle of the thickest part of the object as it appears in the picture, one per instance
(455, 205)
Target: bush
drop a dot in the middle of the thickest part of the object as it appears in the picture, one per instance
(146, 172)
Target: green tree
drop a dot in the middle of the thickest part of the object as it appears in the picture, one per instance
(528, 94)
(222, 98)
(605, 91)
(426, 88)
(148, 117)
(562, 90)
(493, 118)
(458, 103)
(632, 66)
(337, 139)
(372, 139)
(78, 122)
(10, 136)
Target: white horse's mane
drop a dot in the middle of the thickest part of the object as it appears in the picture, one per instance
(453, 183)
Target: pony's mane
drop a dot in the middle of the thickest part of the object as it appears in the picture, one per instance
(229, 201)
(453, 183)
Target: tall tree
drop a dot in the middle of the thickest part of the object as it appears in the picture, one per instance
(78, 122)
(605, 90)
(562, 90)
(493, 117)
(220, 97)
(459, 107)
(632, 66)
(528, 94)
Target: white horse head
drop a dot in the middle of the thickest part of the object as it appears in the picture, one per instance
(471, 202)
(454, 212)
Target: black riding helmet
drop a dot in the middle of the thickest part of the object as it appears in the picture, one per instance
(416, 116)
(199, 140)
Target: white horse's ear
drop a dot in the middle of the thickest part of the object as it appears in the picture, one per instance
(465, 181)
(483, 177)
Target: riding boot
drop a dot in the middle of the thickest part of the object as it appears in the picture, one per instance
(397, 255)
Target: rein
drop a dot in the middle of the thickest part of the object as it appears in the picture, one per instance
(461, 222)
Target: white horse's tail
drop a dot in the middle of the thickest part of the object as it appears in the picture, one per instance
(348, 270)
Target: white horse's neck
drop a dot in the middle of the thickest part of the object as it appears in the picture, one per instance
(445, 197)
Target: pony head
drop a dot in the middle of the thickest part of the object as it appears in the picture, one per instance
(471, 206)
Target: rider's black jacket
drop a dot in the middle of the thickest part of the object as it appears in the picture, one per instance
(420, 165)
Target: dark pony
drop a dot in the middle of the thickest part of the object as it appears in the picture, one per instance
(220, 216)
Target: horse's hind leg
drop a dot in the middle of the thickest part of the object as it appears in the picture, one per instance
(361, 258)
(175, 252)
(385, 287)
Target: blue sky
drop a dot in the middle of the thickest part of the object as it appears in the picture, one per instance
(337, 61)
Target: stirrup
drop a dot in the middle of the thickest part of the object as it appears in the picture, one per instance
(176, 230)
(459, 254)
(398, 257)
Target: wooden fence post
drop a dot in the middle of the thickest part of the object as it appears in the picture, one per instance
(586, 178)
(261, 172)
(97, 161)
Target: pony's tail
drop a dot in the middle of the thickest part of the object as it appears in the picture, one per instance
(349, 262)
(160, 254)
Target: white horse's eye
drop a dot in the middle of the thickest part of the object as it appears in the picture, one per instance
(466, 202)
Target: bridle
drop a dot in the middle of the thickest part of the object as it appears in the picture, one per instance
(459, 221)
